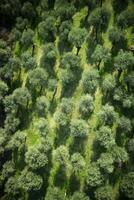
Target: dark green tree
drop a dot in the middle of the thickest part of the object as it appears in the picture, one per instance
(77, 36)
(28, 181)
(37, 79)
(86, 105)
(90, 80)
(106, 162)
(35, 159)
(104, 193)
(27, 38)
(105, 137)
(47, 29)
(127, 185)
(78, 128)
(101, 54)
(48, 59)
(94, 176)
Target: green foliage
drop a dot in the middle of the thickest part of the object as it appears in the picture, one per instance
(42, 105)
(47, 29)
(17, 141)
(124, 60)
(21, 97)
(42, 126)
(28, 62)
(94, 176)
(99, 18)
(79, 196)
(90, 80)
(28, 10)
(3, 89)
(127, 185)
(77, 36)
(11, 187)
(106, 162)
(62, 116)
(101, 54)
(7, 170)
(107, 115)
(48, 59)
(86, 105)
(27, 38)
(3, 140)
(70, 61)
(37, 79)
(29, 181)
(125, 19)
(55, 193)
(131, 146)
(124, 125)
(120, 155)
(116, 36)
(108, 84)
(64, 30)
(35, 159)
(65, 12)
(105, 137)
(79, 128)
(78, 163)
(104, 193)
(61, 156)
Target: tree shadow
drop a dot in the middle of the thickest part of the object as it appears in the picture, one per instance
(91, 45)
(64, 46)
(60, 177)
(62, 135)
(78, 145)
(69, 89)
(74, 184)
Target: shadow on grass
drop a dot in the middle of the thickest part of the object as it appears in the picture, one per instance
(62, 135)
(74, 184)
(60, 178)
(78, 145)
(64, 46)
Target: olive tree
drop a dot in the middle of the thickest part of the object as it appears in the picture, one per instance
(90, 80)
(35, 159)
(107, 115)
(101, 54)
(3, 90)
(42, 105)
(77, 36)
(28, 62)
(79, 196)
(70, 61)
(78, 128)
(86, 105)
(48, 59)
(105, 137)
(94, 176)
(123, 61)
(47, 29)
(28, 181)
(99, 19)
(27, 38)
(127, 185)
(78, 163)
(124, 125)
(37, 79)
(104, 193)
(106, 162)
